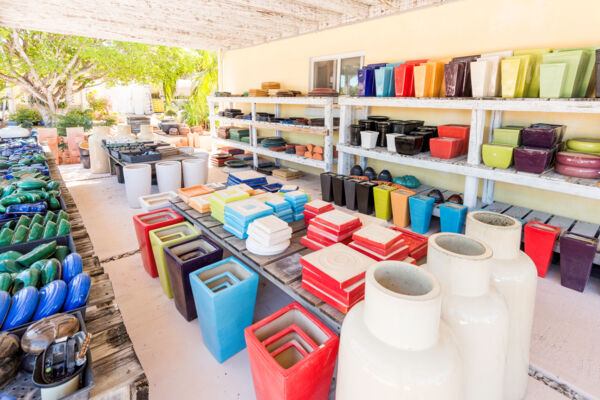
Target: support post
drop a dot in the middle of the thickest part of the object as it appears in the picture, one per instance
(328, 146)
(254, 136)
(474, 156)
(487, 194)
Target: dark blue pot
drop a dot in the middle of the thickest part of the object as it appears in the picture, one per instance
(22, 308)
(4, 305)
(79, 288)
(72, 265)
(52, 298)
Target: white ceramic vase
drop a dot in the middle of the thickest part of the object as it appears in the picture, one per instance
(138, 181)
(514, 275)
(368, 139)
(99, 161)
(392, 344)
(195, 170)
(146, 133)
(476, 313)
(168, 176)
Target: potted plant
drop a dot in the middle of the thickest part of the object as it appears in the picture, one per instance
(26, 117)
(73, 118)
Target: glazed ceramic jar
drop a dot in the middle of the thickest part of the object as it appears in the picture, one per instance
(98, 157)
(514, 275)
(392, 344)
(476, 313)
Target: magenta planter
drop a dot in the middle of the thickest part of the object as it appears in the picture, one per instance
(576, 257)
(532, 159)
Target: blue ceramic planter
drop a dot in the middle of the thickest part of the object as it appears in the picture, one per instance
(421, 209)
(52, 298)
(224, 293)
(452, 217)
(22, 307)
(78, 291)
(4, 305)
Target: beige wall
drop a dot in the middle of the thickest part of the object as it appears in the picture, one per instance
(462, 27)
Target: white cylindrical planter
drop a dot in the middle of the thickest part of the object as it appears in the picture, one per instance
(195, 170)
(168, 176)
(124, 132)
(392, 344)
(138, 182)
(99, 161)
(146, 133)
(476, 313)
(514, 275)
(368, 139)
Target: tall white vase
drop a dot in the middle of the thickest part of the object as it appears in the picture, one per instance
(195, 171)
(146, 133)
(168, 176)
(99, 161)
(514, 275)
(392, 345)
(476, 313)
(138, 181)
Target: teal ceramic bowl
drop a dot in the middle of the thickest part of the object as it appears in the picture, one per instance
(497, 155)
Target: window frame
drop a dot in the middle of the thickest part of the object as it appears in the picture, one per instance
(338, 65)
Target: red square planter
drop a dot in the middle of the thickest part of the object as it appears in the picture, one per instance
(456, 131)
(446, 147)
(404, 82)
(539, 244)
(143, 224)
(292, 355)
(417, 244)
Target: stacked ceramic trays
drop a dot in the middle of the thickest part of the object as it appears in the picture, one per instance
(221, 198)
(297, 200)
(380, 243)
(314, 208)
(241, 186)
(288, 188)
(330, 228)
(249, 177)
(336, 275)
(417, 244)
(239, 215)
(200, 203)
(268, 236)
(282, 208)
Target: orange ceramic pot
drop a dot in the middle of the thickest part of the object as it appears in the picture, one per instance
(400, 211)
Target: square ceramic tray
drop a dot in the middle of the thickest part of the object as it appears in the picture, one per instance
(398, 254)
(338, 220)
(200, 203)
(186, 193)
(377, 236)
(231, 194)
(248, 175)
(346, 295)
(156, 201)
(248, 209)
(271, 224)
(268, 239)
(311, 244)
(318, 206)
(328, 299)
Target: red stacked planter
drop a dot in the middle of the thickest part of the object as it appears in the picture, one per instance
(144, 223)
(417, 244)
(292, 355)
(539, 244)
(314, 208)
(458, 132)
(329, 228)
(380, 243)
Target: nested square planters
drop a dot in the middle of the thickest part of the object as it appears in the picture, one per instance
(292, 355)
(539, 244)
(144, 223)
(224, 294)
(183, 258)
(167, 236)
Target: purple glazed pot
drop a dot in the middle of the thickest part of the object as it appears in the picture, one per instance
(454, 74)
(576, 256)
(561, 129)
(532, 159)
(541, 137)
(466, 89)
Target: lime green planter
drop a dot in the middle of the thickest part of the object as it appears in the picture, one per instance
(587, 71)
(509, 136)
(576, 61)
(534, 86)
(167, 236)
(516, 75)
(497, 155)
(383, 202)
(552, 80)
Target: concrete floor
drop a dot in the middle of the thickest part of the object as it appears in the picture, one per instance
(179, 366)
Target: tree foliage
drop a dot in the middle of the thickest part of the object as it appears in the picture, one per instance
(195, 109)
(52, 68)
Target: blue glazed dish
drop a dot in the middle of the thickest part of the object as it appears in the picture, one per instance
(78, 291)
(24, 303)
(72, 265)
(52, 298)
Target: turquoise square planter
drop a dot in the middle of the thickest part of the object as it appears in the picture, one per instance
(452, 217)
(421, 209)
(224, 294)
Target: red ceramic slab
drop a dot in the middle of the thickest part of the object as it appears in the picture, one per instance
(397, 255)
(318, 206)
(346, 296)
(323, 241)
(338, 220)
(377, 236)
(316, 230)
(328, 299)
(417, 244)
(333, 231)
(410, 260)
(383, 253)
(311, 244)
(338, 264)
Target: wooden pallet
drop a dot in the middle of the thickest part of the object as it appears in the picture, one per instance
(118, 373)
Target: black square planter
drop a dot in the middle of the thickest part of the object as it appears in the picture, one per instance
(326, 186)
(338, 189)
(350, 192)
(364, 197)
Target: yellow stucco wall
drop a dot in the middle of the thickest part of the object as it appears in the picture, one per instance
(461, 27)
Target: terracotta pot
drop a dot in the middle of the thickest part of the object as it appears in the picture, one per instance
(476, 313)
(514, 275)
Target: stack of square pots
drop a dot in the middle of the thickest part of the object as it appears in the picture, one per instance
(282, 208)
(330, 228)
(380, 243)
(183, 258)
(541, 142)
(417, 244)
(314, 208)
(239, 215)
(292, 355)
(224, 294)
(144, 223)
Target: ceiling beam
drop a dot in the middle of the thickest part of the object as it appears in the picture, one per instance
(346, 7)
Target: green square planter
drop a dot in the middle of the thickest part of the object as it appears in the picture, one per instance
(552, 80)
(576, 61)
(534, 87)
(383, 202)
(497, 155)
(508, 136)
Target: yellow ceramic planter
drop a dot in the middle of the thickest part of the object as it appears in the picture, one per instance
(497, 155)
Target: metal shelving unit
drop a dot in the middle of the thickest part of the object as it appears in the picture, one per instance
(470, 166)
(326, 131)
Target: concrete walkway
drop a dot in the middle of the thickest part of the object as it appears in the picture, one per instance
(178, 365)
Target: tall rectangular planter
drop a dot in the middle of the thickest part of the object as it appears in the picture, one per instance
(338, 189)
(183, 258)
(400, 212)
(421, 209)
(292, 355)
(576, 257)
(539, 244)
(167, 236)
(382, 200)
(224, 294)
(452, 217)
(350, 192)
(144, 223)
(327, 186)
(364, 197)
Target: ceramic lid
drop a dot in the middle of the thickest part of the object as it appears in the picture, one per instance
(318, 206)
(377, 235)
(337, 219)
(339, 262)
(271, 224)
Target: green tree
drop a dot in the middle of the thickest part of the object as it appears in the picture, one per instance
(52, 68)
(195, 109)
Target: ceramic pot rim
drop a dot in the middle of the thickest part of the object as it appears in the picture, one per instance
(137, 166)
(503, 222)
(412, 273)
(167, 163)
(484, 254)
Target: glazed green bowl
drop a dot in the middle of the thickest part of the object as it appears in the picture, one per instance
(497, 155)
